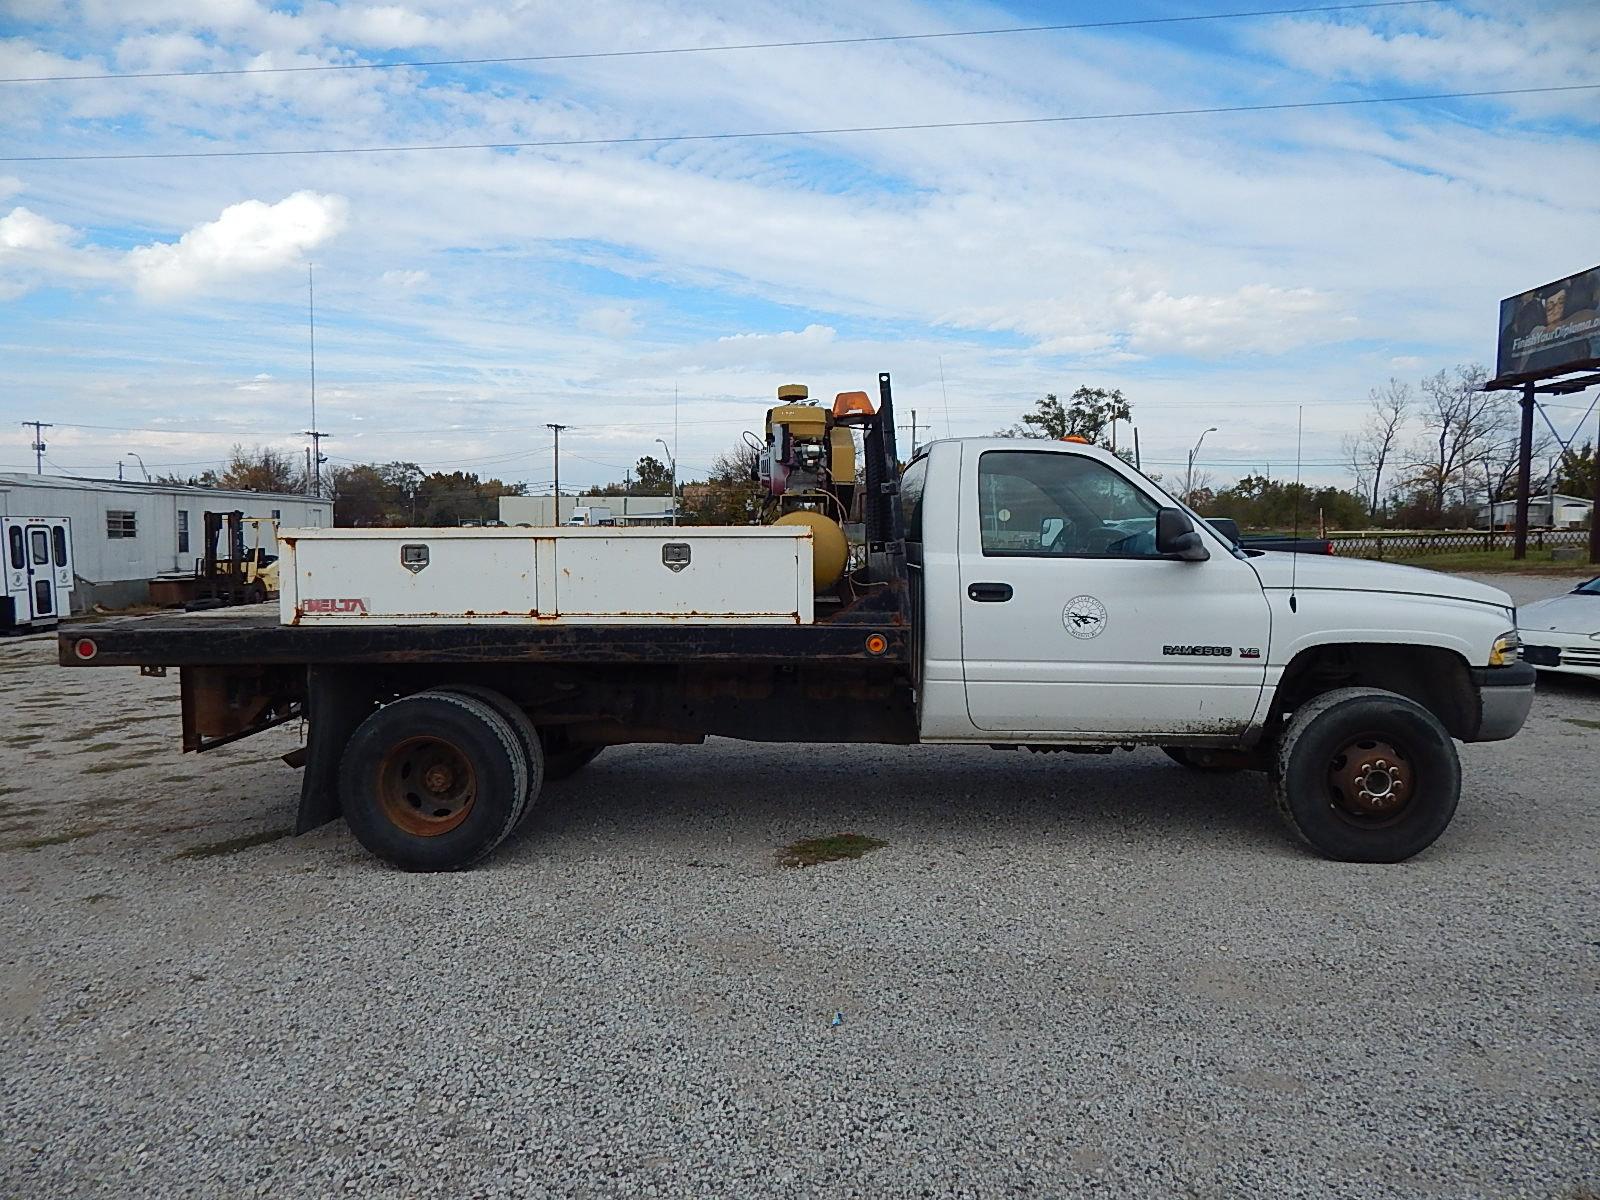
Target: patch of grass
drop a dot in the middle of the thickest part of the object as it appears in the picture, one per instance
(1538, 562)
(232, 845)
(54, 839)
(808, 852)
(1585, 724)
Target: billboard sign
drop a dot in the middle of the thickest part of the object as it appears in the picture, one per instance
(1550, 330)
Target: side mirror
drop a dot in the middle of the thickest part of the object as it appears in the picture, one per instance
(1050, 530)
(1227, 527)
(1176, 536)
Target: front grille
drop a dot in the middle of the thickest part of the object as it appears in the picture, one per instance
(1581, 658)
(1541, 656)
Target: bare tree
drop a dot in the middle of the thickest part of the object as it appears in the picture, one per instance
(1462, 424)
(1369, 450)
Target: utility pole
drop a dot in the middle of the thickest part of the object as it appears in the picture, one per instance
(556, 429)
(1519, 542)
(314, 465)
(913, 433)
(38, 444)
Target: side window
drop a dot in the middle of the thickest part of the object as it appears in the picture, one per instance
(183, 531)
(15, 540)
(1041, 504)
(121, 523)
(59, 536)
(39, 543)
(911, 485)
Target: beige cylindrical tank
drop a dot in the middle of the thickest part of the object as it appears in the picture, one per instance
(830, 551)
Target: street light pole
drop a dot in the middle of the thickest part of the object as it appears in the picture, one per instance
(672, 463)
(1188, 479)
(143, 470)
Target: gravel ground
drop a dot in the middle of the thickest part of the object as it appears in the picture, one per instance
(1062, 975)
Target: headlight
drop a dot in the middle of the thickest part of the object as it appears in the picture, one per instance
(1507, 649)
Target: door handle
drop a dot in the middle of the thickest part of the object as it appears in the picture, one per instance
(992, 593)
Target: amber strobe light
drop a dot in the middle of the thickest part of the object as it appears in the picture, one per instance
(876, 643)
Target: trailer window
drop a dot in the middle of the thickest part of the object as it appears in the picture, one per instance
(59, 536)
(39, 543)
(183, 531)
(121, 523)
(15, 539)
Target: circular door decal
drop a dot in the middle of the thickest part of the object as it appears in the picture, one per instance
(1084, 617)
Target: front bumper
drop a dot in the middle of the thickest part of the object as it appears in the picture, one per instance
(1505, 695)
(1563, 652)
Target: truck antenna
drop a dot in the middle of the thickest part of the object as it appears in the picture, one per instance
(1294, 560)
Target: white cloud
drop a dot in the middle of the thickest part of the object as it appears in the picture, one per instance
(248, 238)
(23, 231)
(404, 281)
(612, 321)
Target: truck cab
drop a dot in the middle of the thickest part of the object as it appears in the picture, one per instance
(1066, 598)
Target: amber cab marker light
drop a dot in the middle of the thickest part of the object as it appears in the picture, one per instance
(85, 648)
(877, 643)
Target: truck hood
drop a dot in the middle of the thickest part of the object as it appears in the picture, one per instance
(1325, 571)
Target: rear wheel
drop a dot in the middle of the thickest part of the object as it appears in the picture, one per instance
(532, 748)
(1366, 776)
(433, 782)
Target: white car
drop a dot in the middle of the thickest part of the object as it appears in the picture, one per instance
(1563, 633)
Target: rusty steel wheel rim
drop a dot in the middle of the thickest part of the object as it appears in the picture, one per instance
(1371, 780)
(426, 786)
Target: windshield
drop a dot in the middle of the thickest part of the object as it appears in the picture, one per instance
(1592, 588)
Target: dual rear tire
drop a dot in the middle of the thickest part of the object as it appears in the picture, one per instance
(437, 780)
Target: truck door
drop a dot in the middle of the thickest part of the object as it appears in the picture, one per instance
(1072, 624)
(41, 573)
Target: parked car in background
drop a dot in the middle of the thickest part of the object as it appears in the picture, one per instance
(1563, 633)
(1229, 528)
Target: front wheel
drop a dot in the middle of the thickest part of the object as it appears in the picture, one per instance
(1363, 775)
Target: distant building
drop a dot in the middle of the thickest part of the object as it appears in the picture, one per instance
(628, 510)
(126, 533)
(1570, 512)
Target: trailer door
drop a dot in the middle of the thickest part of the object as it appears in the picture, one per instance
(41, 573)
(15, 570)
(61, 559)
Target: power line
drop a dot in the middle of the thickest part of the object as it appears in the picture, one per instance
(664, 139)
(742, 46)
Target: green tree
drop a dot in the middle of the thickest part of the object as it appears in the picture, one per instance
(1257, 502)
(1576, 476)
(652, 477)
(1089, 414)
(449, 498)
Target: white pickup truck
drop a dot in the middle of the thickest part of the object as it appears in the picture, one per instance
(1015, 594)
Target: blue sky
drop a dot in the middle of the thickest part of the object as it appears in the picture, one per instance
(1222, 270)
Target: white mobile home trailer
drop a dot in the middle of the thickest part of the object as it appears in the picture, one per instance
(125, 533)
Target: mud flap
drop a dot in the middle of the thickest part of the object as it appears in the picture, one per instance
(336, 703)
